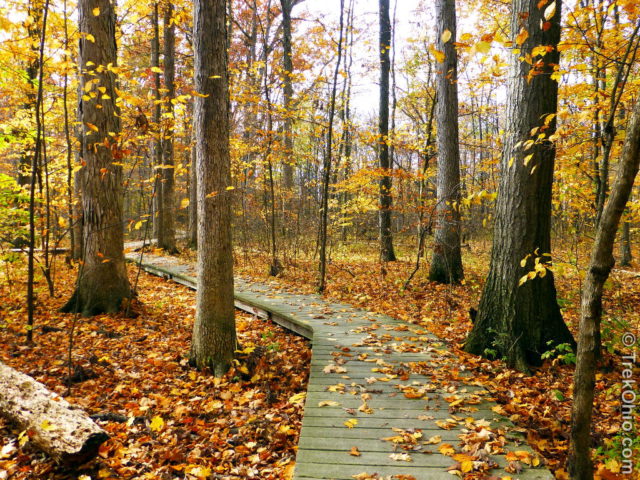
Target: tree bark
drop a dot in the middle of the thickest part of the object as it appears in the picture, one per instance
(65, 433)
(34, 32)
(625, 245)
(387, 253)
(193, 193)
(214, 334)
(446, 262)
(156, 143)
(102, 280)
(287, 61)
(600, 265)
(166, 200)
(520, 322)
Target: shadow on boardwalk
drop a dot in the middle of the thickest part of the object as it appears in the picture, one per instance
(368, 415)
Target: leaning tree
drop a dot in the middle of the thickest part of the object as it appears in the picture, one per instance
(519, 318)
(102, 279)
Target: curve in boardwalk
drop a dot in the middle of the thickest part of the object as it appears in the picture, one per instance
(367, 416)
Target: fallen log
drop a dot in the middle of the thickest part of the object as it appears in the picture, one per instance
(63, 431)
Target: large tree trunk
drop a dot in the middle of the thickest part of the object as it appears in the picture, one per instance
(65, 433)
(600, 265)
(387, 253)
(446, 263)
(102, 280)
(214, 334)
(516, 321)
(166, 200)
(287, 61)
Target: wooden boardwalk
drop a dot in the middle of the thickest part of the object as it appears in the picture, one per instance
(366, 415)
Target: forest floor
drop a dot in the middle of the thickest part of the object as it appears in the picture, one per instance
(170, 421)
(178, 423)
(539, 404)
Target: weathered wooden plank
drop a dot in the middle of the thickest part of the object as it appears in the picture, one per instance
(366, 458)
(372, 443)
(346, 472)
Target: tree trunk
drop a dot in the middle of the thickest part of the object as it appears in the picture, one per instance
(625, 245)
(166, 200)
(193, 193)
(287, 62)
(446, 263)
(387, 253)
(214, 334)
(520, 322)
(156, 144)
(102, 280)
(600, 265)
(67, 135)
(78, 221)
(34, 32)
(327, 161)
(65, 433)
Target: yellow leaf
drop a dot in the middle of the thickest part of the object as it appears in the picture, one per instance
(298, 398)
(230, 187)
(91, 126)
(613, 465)
(156, 69)
(550, 11)
(522, 36)
(351, 423)
(23, 438)
(433, 440)
(328, 403)
(446, 449)
(96, 11)
(90, 38)
(184, 203)
(446, 36)
(198, 471)
(439, 56)
(466, 466)
(523, 279)
(157, 424)
(483, 47)
(527, 159)
(47, 426)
